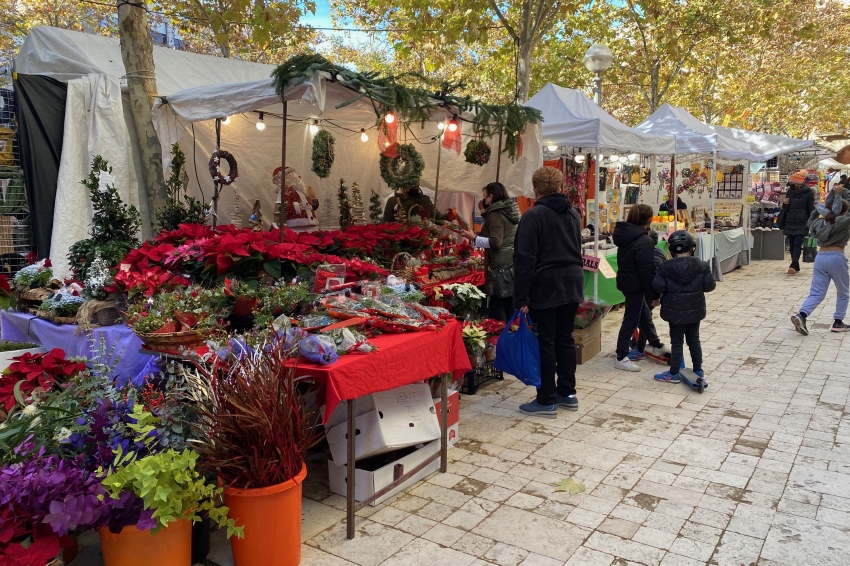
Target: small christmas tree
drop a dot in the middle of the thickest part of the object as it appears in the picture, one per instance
(376, 215)
(327, 215)
(344, 206)
(177, 211)
(358, 213)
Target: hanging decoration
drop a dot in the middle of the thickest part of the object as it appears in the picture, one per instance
(215, 167)
(405, 170)
(477, 152)
(388, 136)
(323, 154)
(451, 135)
(344, 206)
(257, 217)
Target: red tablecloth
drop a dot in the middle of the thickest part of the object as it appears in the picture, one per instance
(475, 277)
(401, 359)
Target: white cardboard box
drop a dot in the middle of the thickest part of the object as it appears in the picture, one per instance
(452, 418)
(400, 418)
(372, 475)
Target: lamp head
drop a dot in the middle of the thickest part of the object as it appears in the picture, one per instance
(598, 58)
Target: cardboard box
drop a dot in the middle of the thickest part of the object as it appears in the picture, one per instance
(588, 342)
(401, 417)
(373, 474)
(452, 418)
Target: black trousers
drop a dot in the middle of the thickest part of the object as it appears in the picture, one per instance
(642, 340)
(501, 308)
(557, 351)
(796, 243)
(637, 315)
(678, 334)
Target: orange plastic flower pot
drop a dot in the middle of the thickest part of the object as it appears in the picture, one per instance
(171, 546)
(272, 520)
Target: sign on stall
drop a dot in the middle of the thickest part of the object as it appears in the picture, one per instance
(606, 269)
(591, 263)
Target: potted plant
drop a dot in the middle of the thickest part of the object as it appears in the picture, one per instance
(253, 430)
(31, 374)
(474, 340)
(31, 284)
(11, 350)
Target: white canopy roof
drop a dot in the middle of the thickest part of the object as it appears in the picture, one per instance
(693, 136)
(66, 55)
(570, 118)
(769, 145)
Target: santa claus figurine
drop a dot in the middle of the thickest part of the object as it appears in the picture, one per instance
(300, 202)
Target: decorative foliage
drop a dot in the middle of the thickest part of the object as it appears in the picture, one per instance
(323, 154)
(113, 228)
(403, 171)
(63, 303)
(464, 298)
(99, 277)
(344, 206)
(35, 373)
(190, 308)
(376, 213)
(477, 152)
(177, 211)
(34, 276)
(255, 424)
(215, 167)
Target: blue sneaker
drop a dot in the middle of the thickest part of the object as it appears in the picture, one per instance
(568, 402)
(535, 409)
(636, 355)
(667, 377)
(699, 373)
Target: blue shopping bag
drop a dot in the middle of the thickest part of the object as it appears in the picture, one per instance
(518, 353)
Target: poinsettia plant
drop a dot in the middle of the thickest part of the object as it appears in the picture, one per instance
(31, 374)
(190, 308)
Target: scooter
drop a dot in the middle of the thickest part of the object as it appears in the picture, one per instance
(663, 360)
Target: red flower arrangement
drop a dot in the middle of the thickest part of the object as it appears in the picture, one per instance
(36, 372)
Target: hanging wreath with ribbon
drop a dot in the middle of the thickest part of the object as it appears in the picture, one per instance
(323, 154)
(477, 152)
(404, 170)
(215, 167)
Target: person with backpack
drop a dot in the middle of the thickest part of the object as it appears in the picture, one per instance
(635, 273)
(798, 206)
(682, 283)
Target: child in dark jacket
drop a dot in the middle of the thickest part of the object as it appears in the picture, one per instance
(683, 282)
(660, 257)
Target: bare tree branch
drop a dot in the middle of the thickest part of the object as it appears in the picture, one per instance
(504, 20)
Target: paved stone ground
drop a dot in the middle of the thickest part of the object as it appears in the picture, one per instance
(756, 471)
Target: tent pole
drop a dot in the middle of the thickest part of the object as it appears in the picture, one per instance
(673, 190)
(596, 224)
(437, 180)
(282, 215)
(216, 186)
(499, 157)
(713, 195)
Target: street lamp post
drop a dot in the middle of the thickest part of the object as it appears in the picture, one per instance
(597, 59)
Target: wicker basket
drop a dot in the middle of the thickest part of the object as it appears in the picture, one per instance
(31, 298)
(172, 341)
(64, 320)
(404, 272)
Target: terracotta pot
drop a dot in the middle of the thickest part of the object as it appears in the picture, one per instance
(171, 546)
(272, 520)
(244, 306)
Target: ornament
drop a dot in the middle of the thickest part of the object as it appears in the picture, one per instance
(403, 171)
(323, 154)
(477, 152)
(215, 167)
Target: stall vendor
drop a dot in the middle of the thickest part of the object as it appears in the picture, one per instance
(404, 202)
(300, 203)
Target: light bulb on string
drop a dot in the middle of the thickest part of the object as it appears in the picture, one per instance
(226, 121)
(314, 127)
(453, 125)
(441, 126)
(633, 156)
(260, 124)
(552, 148)
(363, 137)
(390, 118)
(579, 158)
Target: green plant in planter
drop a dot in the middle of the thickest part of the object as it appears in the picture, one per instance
(167, 482)
(177, 211)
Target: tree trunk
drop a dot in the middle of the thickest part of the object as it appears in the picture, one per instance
(524, 46)
(137, 53)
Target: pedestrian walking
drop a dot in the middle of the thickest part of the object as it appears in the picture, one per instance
(639, 353)
(793, 219)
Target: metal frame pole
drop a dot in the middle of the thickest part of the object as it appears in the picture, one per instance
(713, 196)
(437, 180)
(597, 98)
(282, 215)
(675, 196)
(350, 469)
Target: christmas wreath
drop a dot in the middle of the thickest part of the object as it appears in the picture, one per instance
(404, 170)
(477, 152)
(215, 167)
(323, 154)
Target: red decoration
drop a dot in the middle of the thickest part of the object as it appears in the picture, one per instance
(388, 138)
(451, 139)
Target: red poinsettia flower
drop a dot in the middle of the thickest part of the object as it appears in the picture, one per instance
(36, 370)
(4, 284)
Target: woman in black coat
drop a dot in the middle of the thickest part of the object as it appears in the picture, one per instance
(635, 272)
(799, 204)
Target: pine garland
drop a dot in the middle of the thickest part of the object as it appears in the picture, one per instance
(323, 154)
(376, 215)
(403, 171)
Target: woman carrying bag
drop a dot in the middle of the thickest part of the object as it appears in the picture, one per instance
(793, 220)
(501, 218)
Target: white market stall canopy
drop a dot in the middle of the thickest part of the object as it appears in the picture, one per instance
(188, 117)
(768, 145)
(570, 118)
(692, 136)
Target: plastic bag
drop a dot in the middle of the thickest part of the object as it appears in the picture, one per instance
(810, 250)
(518, 353)
(318, 349)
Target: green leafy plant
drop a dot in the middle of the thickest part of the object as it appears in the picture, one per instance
(190, 308)
(63, 304)
(376, 211)
(177, 211)
(114, 224)
(34, 276)
(323, 154)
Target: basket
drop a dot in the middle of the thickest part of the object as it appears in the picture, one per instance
(64, 320)
(474, 379)
(406, 273)
(172, 341)
(28, 299)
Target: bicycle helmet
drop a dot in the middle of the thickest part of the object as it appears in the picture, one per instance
(681, 242)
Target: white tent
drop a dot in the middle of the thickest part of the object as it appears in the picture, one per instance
(188, 117)
(768, 145)
(98, 119)
(571, 119)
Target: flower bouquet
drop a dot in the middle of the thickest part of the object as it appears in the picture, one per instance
(464, 299)
(493, 328)
(474, 339)
(31, 376)
(589, 313)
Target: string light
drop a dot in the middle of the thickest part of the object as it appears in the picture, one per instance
(614, 159)
(314, 127)
(579, 158)
(453, 124)
(441, 126)
(552, 147)
(390, 118)
(226, 121)
(633, 156)
(261, 125)
(363, 137)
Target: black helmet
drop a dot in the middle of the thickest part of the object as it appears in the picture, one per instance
(681, 242)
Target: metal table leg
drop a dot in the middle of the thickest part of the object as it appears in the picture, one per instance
(444, 432)
(349, 487)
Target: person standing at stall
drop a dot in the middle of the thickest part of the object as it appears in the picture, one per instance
(635, 273)
(501, 218)
(798, 206)
(549, 286)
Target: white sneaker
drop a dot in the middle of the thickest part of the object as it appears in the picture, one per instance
(626, 365)
(661, 352)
